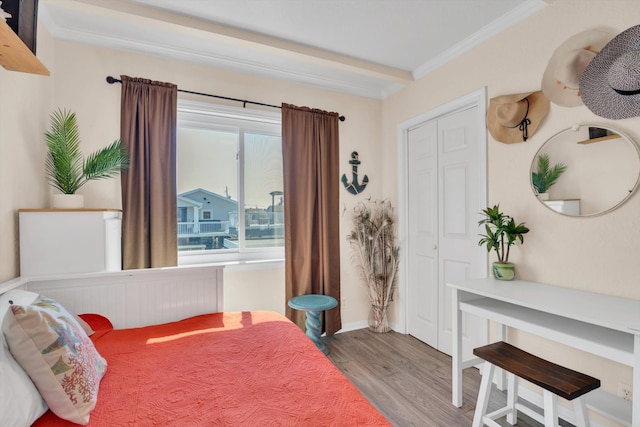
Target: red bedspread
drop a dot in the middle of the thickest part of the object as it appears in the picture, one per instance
(222, 369)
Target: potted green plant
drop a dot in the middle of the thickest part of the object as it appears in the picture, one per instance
(546, 176)
(66, 169)
(502, 232)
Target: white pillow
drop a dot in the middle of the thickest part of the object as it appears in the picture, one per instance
(20, 401)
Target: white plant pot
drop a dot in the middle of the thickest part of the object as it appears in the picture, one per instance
(67, 201)
(543, 196)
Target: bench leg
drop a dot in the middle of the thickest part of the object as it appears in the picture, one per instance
(501, 374)
(550, 409)
(483, 394)
(512, 397)
(580, 409)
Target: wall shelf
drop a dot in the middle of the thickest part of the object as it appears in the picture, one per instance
(15, 55)
(601, 138)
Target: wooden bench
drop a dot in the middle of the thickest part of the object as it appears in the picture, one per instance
(555, 381)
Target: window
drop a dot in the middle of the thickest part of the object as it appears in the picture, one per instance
(229, 184)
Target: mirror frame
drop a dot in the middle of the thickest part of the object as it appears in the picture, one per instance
(575, 128)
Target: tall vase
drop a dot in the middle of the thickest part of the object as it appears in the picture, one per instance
(378, 321)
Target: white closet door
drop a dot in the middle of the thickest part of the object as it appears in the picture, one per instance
(422, 303)
(443, 205)
(460, 257)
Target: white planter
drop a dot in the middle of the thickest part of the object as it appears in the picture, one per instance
(67, 201)
(543, 196)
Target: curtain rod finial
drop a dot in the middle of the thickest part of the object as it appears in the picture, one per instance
(112, 80)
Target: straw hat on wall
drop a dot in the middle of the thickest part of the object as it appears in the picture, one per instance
(515, 118)
(561, 78)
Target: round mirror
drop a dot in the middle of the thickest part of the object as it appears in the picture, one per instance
(586, 170)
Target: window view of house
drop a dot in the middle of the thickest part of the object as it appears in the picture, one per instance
(229, 180)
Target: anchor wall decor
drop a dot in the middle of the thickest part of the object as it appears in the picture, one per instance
(354, 187)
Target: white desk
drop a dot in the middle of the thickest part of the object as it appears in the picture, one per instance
(600, 324)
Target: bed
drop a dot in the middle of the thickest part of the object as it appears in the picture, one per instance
(219, 369)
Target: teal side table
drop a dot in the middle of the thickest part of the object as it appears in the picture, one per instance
(313, 305)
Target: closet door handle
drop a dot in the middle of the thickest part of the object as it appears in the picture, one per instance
(435, 247)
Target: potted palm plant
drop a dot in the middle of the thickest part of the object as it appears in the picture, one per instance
(546, 176)
(502, 232)
(67, 170)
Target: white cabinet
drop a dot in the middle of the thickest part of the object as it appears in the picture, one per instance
(62, 241)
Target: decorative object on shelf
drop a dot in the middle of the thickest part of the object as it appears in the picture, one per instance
(373, 239)
(546, 176)
(597, 134)
(561, 78)
(515, 118)
(610, 86)
(354, 187)
(502, 233)
(67, 170)
(4, 15)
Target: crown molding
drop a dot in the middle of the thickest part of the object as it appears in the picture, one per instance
(505, 21)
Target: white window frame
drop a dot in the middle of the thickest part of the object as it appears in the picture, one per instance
(199, 115)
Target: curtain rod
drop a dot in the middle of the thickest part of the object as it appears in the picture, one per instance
(112, 80)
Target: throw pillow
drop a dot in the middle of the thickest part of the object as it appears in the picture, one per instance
(58, 355)
(20, 401)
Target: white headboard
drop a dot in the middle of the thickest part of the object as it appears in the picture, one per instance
(133, 298)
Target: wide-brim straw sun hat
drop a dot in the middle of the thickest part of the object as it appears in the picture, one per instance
(561, 78)
(516, 117)
(610, 85)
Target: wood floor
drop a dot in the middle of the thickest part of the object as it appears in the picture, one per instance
(408, 381)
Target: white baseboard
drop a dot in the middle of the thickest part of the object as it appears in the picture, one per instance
(361, 324)
(354, 326)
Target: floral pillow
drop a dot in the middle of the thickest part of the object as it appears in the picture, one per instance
(58, 355)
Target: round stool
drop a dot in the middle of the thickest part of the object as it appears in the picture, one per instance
(313, 305)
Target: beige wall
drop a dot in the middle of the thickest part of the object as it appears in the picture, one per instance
(25, 100)
(80, 86)
(594, 254)
(258, 288)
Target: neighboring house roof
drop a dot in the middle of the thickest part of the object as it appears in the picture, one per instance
(185, 201)
(201, 196)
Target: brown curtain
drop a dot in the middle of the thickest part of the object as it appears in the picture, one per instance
(310, 147)
(148, 130)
